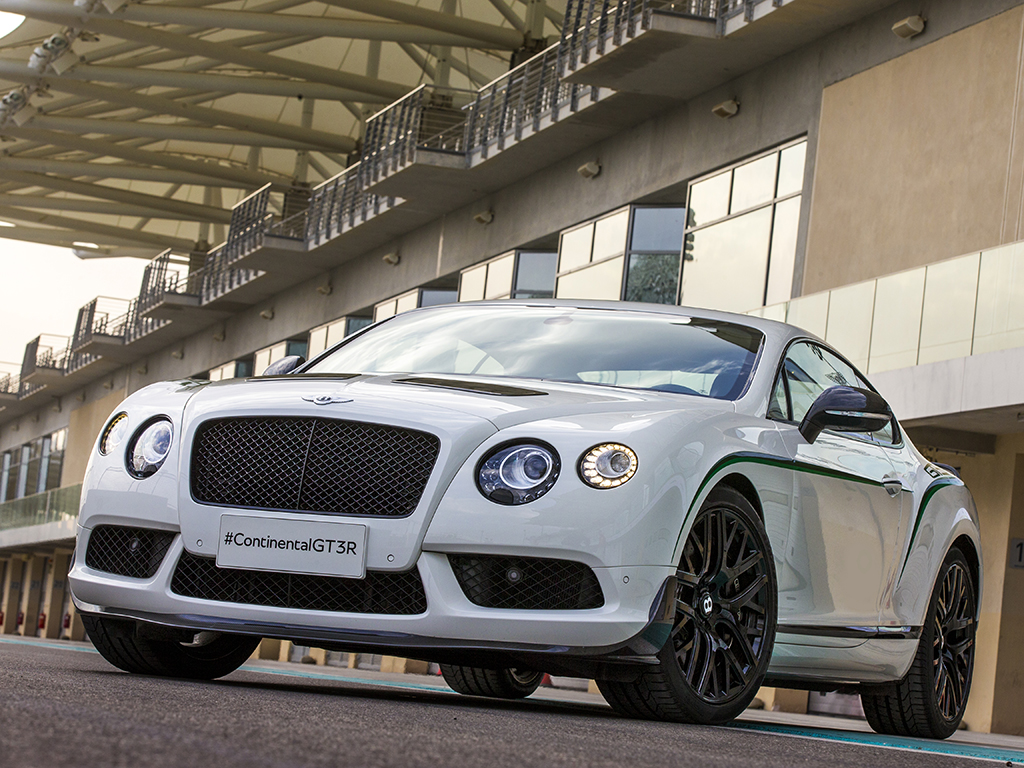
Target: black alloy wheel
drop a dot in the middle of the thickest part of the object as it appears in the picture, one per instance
(930, 700)
(726, 612)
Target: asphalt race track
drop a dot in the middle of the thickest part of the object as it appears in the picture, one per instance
(62, 705)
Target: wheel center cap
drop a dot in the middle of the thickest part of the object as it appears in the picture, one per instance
(707, 604)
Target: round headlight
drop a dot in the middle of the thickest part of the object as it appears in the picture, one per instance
(114, 434)
(516, 474)
(149, 448)
(608, 465)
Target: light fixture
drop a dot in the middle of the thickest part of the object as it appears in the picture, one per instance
(726, 109)
(80, 244)
(909, 27)
(589, 170)
(178, 354)
(267, 314)
(7, 224)
(484, 217)
(325, 289)
(607, 465)
(392, 259)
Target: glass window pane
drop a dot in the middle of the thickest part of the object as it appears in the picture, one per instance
(407, 301)
(810, 370)
(783, 257)
(730, 264)
(658, 229)
(535, 275)
(653, 278)
(999, 322)
(778, 407)
(471, 284)
(709, 199)
(317, 341)
(753, 183)
(499, 276)
(574, 248)
(947, 322)
(5, 475)
(354, 324)
(809, 313)
(791, 169)
(260, 361)
(896, 329)
(382, 311)
(431, 297)
(601, 281)
(336, 331)
(610, 235)
(850, 310)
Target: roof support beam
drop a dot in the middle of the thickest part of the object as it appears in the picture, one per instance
(111, 171)
(100, 148)
(163, 131)
(164, 106)
(498, 37)
(322, 26)
(84, 206)
(64, 13)
(80, 225)
(202, 212)
(510, 16)
(61, 237)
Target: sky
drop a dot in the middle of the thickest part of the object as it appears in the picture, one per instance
(42, 288)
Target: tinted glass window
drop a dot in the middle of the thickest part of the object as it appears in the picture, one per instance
(616, 348)
(658, 229)
(809, 371)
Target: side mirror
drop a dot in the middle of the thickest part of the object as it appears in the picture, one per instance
(284, 365)
(845, 409)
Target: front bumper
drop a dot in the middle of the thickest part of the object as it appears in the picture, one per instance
(628, 629)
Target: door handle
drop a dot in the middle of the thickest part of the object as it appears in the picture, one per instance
(892, 487)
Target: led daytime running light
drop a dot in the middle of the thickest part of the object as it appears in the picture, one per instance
(114, 434)
(608, 465)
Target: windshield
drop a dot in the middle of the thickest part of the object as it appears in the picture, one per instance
(669, 353)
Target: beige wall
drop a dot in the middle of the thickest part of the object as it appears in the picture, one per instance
(920, 158)
(83, 428)
(997, 484)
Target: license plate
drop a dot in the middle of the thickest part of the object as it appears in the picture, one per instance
(286, 545)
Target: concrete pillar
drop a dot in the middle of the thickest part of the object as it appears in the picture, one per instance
(7, 568)
(54, 592)
(286, 651)
(76, 631)
(400, 666)
(10, 599)
(268, 650)
(31, 595)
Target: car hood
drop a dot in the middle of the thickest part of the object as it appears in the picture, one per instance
(502, 401)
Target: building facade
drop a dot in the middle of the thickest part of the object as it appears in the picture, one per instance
(825, 164)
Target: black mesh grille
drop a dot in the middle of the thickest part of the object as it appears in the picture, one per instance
(135, 552)
(527, 583)
(380, 592)
(312, 465)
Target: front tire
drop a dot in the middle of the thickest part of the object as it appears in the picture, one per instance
(930, 700)
(214, 655)
(493, 683)
(726, 612)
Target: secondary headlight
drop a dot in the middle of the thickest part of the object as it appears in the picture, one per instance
(517, 474)
(149, 448)
(114, 434)
(608, 465)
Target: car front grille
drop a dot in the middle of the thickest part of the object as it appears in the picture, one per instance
(527, 583)
(381, 592)
(124, 551)
(312, 465)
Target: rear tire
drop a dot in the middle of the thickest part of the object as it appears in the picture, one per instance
(726, 612)
(214, 656)
(930, 700)
(494, 683)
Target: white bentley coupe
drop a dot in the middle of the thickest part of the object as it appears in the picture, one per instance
(680, 504)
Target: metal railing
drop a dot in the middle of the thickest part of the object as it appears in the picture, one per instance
(522, 98)
(41, 508)
(218, 277)
(590, 25)
(163, 276)
(339, 204)
(10, 380)
(249, 221)
(292, 228)
(103, 316)
(429, 117)
(45, 352)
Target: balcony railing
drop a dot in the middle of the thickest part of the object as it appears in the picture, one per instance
(218, 277)
(339, 204)
(249, 221)
(45, 353)
(963, 306)
(103, 316)
(430, 118)
(41, 508)
(522, 99)
(165, 276)
(292, 228)
(591, 25)
(10, 381)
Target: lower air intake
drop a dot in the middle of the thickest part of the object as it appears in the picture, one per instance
(380, 592)
(124, 551)
(527, 583)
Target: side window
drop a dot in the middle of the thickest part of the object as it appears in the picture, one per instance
(809, 371)
(778, 406)
(886, 435)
